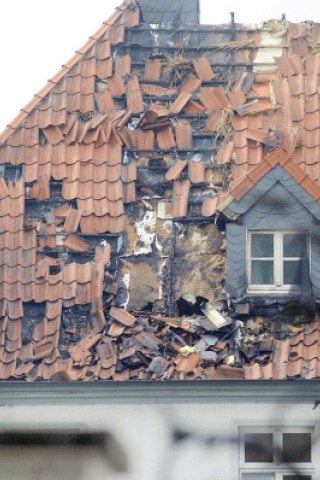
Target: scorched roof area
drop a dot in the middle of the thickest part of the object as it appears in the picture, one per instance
(114, 179)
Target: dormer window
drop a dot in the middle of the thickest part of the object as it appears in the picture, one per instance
(277, 261)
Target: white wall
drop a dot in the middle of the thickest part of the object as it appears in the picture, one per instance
(145, 433)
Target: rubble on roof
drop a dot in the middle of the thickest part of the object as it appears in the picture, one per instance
(113, 180)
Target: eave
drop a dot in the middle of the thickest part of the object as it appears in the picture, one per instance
(154, 393)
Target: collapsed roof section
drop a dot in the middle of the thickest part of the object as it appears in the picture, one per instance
(111, 180)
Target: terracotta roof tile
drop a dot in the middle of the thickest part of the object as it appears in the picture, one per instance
(72, 221)
(290, 65)
(209, 206)
(184, 136)
(53, 135)
(117, 34)
(116, 85)
(225, 153)
(123, 65)
(295, 30)
(180, 102)
(203, 69)
(193, 108)
(312, 64)
(134, 96)
(236, 98)
(153, 69)
(312, 103)
(312, 120)
(156, 90)
(190, 84)
(175, 170)
(300, 47)
(213, 98)
(180, 197)
(122, 316)
(129, 172)
(215, 119)
(165, 139)
(129, 192)
(187, 363)
(115, 330)
(196, 171)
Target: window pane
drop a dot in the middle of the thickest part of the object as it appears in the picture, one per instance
(292, 272)
(294, 245)
(296, 447)
(261, 245)
(262, 273)
(297, 477)
(258, 447)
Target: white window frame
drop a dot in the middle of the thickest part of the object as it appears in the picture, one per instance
(278, 286)
(276, 468)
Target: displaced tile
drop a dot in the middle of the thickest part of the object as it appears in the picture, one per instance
(76, 244)
(175, 170)
(122, 316)
(180, 102)
(209, 206)
(203, 69)
(72, 221)
(190, 84)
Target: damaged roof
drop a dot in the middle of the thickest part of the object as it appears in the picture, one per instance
(112, 179)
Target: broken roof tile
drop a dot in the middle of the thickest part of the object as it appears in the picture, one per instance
(175, 170)
(209, 206)
(190, 84)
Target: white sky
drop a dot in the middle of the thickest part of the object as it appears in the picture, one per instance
(37, 37)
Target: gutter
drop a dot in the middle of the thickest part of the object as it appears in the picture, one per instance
(155, 393)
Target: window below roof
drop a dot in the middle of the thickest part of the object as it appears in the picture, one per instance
(277, 260)
(276, 453)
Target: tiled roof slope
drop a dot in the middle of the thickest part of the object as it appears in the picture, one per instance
(140, 114)
(276, 157)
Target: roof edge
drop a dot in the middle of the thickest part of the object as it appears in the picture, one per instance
(278, 156)
(154, 393)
